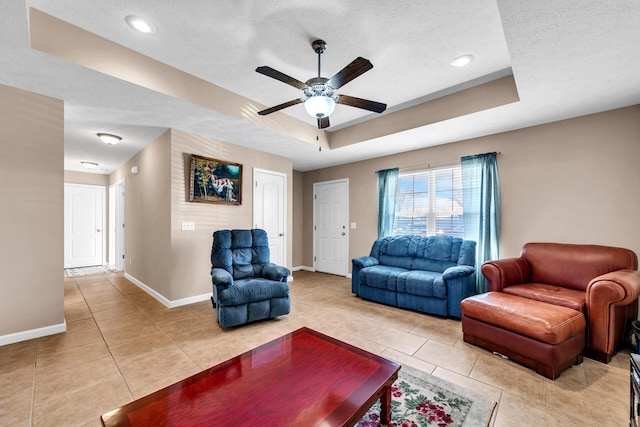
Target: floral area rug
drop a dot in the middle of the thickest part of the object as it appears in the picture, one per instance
(88, 271)
(419, 399)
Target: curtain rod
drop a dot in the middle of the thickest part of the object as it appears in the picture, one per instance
(433, 164)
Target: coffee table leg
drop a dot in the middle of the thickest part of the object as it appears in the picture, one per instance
(385, 406)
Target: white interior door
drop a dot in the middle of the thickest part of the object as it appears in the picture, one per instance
(83, 225)
(269, 210)
(112, 225)
(331, 234)
(117, 225)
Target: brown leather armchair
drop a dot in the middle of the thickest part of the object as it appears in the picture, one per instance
(600, 281)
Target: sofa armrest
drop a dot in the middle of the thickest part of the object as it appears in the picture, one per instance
(221, 277)
(275, 272)
(619, 287)
(458, 271)
(604, 294)
(506, 272)
(364, 261)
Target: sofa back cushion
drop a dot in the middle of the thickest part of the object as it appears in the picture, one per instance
(242, 253)
(574, 266)
(432, 253)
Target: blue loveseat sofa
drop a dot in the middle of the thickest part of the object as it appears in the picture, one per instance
(427, 274)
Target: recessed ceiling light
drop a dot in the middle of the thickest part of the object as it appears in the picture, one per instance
(462, 60)
(140, 24)
(109, 138)
(89, 165)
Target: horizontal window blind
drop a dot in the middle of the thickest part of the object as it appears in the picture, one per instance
(429, 202)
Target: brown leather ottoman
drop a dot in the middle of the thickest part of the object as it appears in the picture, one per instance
(542, 336)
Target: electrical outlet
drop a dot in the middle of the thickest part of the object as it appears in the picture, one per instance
(188, 226)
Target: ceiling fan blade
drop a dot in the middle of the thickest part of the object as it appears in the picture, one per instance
(323, 123)
(275, 74)
(280, 107)
(357, 67)
(365, 104)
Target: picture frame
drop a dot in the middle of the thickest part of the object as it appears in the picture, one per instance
(215, 181)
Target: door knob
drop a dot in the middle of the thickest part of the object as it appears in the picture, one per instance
(98, 230)
(343, 233)
(281, 234)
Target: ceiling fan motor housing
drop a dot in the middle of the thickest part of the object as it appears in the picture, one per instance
(317, 86)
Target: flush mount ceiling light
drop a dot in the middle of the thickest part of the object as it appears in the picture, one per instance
(462, 61)
(89, 165)
(140, 24)
(109, 138)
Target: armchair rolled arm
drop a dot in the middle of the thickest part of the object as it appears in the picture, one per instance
(604, 294)
(364, 261)
(506, 272)
(275, 272)
(619, 287)
(458, 271)
(221, 277)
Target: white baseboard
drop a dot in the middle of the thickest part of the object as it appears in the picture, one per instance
(33, 333)
(307, 268)
(303, 267)
(167, 302)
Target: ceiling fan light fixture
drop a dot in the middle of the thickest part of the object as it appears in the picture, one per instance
(462, 60)
(109, 138)
(89, 165)
(320, 106)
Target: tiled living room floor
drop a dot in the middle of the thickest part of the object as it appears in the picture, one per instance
(122, 344)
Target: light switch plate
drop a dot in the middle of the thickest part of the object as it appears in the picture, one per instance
(188, 226)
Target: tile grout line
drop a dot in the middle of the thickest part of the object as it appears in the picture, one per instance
(105, 341)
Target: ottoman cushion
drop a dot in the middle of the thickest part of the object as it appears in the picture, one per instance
(538, 320)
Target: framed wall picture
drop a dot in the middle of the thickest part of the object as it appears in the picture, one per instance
(215, 181)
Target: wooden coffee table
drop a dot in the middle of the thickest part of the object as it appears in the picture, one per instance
(304, 378)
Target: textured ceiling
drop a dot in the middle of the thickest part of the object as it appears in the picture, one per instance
(568, 58)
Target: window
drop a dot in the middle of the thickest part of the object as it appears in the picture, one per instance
(430, 202)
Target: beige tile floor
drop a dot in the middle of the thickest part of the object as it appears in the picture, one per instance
(122, 344)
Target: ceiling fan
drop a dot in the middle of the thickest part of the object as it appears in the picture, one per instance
(320, 99)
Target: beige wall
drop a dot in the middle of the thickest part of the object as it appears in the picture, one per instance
(298, 219)
(148, 215)
(32, 213)
(172, 262)
(574, 181)
(191, 250)
(86, 178)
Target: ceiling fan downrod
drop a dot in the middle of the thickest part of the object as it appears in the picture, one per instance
(319, 46)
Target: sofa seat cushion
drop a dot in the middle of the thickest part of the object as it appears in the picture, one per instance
(551, 294)
(422, 283)
(544, 322)
(250, 290)
(381, 276)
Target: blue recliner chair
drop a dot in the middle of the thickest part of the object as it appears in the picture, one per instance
(246, 286)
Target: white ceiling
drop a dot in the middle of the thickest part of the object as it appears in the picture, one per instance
(568, 58)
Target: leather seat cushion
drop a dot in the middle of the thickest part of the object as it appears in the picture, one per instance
(535, 319)
(551, 294)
